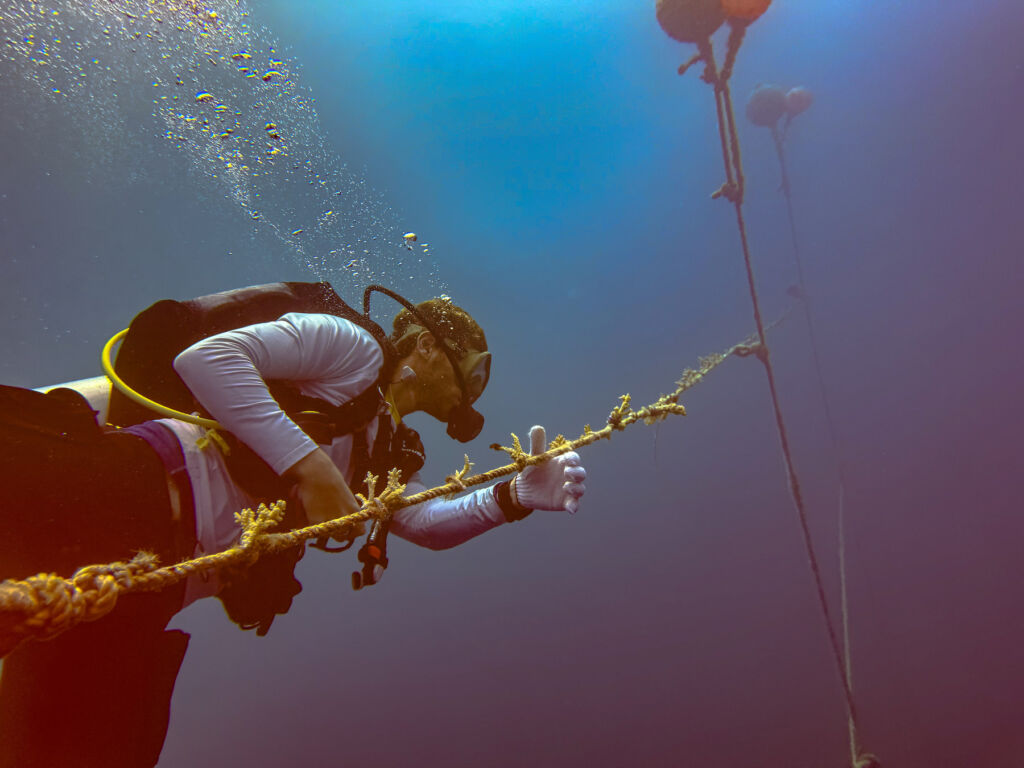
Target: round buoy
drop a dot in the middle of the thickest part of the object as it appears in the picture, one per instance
(689, 21)
(766, 105)
(798, 100)
(745, 10)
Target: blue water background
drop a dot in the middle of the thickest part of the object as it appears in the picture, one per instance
(560, 170)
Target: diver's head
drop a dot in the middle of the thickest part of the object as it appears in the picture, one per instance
(450, 362)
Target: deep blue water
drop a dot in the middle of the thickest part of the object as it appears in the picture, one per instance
(560, 171)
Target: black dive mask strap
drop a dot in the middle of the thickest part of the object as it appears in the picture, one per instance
(464, 423)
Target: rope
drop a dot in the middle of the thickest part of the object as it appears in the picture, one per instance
(804, 298)
(847, 660)
(733, 190)
(43, 606)
(778, 138)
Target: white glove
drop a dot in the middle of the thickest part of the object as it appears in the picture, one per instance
(555, 485)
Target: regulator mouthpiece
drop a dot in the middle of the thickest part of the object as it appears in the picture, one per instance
(464, 423)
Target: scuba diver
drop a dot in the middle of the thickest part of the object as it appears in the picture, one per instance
(309, 400)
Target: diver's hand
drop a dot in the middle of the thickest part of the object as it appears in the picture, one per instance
(555, 485)
(321, 488)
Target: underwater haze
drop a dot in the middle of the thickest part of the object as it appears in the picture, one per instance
(558, 172)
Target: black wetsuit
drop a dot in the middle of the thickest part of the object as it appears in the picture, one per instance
(73, 494)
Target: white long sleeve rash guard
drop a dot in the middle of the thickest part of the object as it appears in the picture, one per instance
(328, 357)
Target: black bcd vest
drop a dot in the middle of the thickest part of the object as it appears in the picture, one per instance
(158, 333)
(252, 597)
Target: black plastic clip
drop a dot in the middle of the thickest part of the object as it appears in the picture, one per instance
(373, 555)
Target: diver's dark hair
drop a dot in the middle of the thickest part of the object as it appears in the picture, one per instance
(453, 321)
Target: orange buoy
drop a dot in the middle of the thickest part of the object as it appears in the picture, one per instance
(745, 10)
(689, 21)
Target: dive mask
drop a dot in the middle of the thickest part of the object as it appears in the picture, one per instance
(475, 368)
(472, 371)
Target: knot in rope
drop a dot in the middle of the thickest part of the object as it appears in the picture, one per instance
(393, 490)
(51, 605)
(729, 190)
(56, 604)
(456, 481)
(756, 349)
(100, 577)
(380, 509)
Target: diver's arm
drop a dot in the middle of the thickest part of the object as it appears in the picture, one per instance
(443, 523)
(332, 358)
(321, 488)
